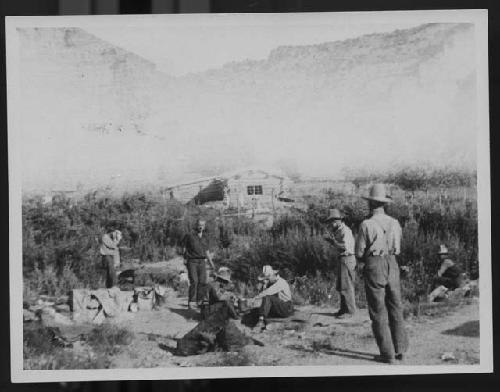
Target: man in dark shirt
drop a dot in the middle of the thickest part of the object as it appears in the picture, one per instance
(449, 274)
(220, 292)
(196, 255)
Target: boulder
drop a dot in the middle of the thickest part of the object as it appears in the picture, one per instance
(28, 315)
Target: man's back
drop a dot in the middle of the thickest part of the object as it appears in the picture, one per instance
(378, 235)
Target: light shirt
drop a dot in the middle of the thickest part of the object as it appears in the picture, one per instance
(280, 287)
(109, 247)
(344, 240)
(378, 235)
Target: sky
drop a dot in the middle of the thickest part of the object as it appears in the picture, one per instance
(307, 141)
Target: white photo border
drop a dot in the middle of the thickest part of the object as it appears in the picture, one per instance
(478, 17)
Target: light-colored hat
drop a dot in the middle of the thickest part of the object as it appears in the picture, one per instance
(378, 193)
(443, 250)
(223, 273)
(267, 272)
(334, 214)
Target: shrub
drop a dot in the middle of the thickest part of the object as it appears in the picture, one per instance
(107, 338)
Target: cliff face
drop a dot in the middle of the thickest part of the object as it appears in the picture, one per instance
(404, 96)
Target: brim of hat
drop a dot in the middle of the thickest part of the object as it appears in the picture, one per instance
(329, 219)
(222, 277)
(380, 199)
(443, 253)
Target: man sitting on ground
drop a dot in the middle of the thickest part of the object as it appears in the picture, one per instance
(220, 291)
(276, 297)
(449, 276)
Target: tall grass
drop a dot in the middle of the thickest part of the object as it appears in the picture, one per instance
(61, 239)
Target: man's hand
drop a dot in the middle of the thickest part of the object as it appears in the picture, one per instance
(405, 268)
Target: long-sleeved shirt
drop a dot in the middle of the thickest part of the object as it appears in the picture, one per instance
(109, 247)
(378, 235)
(195, 247)
(216, 293)
(280, 287)
(343, 240)
(448, 269)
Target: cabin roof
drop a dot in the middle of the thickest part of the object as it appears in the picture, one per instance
(231, 174)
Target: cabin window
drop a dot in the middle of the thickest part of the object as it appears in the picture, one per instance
(254, 189)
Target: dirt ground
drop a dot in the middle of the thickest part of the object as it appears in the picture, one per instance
(311, 337)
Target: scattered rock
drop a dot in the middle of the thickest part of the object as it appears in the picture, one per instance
(29, 315)
(448, 356)
(64, 308)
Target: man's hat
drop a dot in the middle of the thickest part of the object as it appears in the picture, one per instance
(443, 250)
(334, 214)
(377, 193)
(267, 272)
(223, 273)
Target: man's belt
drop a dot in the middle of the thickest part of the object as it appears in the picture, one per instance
(197, 258)
(381, 253)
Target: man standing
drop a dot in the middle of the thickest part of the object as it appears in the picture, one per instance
(343, 241)
(196, 254)
(377, 244)
(110, 254)
(276, 298)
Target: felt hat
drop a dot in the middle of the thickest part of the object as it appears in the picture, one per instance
(334, 214)
(378, 193)
(443, 250)
(267, 272)
(223, 273)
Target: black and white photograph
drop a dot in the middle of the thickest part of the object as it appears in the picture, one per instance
(249, 195)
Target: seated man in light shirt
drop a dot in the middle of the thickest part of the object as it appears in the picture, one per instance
(276, 297)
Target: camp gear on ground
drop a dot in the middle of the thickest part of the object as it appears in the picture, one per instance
(85, 304)
(242, 305)
(378, 193)
(145, 297)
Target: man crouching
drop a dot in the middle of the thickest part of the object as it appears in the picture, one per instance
(276, 297)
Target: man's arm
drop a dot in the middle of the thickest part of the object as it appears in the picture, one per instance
(209, 258)
(109, 242)
(271, 290)
(360, 245)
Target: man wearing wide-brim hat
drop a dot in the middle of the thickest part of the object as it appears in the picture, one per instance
(220, 291)
(377, 244)
(276, 297)
(449, 274)
(340, 236)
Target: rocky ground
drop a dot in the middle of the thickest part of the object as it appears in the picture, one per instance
(311, 337)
